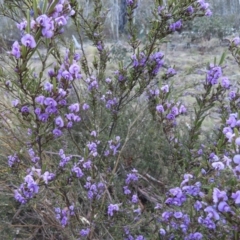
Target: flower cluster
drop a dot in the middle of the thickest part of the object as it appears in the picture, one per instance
(155, 63)
(170, 111)
(63, 215)
(49, 24)
(213, 74)
(12, 159)
(176, 26)
(27, 190)
(204, 7)
(30, 187)
(64, 159)
(33, 156)
(51, 113)
(113, 208)
(109, 100)
(95, 190)
(113, 146)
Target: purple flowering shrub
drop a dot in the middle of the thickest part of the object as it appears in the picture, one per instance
(70, 173)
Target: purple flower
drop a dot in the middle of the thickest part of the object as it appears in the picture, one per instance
(15, 102)
(50, 102)
(61, 21)
(219, 195)
(84, 232)
(156, 61)
(19, 197)
(194, 236)
(134, 198)
(62, 92)
(170, 116)
(190, 10)
(225, 83)
(28, 41)
(174, 111)
(207, 222)
(129, 2)
(12, 159)
(51, 73)
(42, 20)
(232, 95)
(58, 8)
(140, 237)
(236, 197)
(108, 80)
(237, 141)
(74, 107)
(208, 13)
(77, 57)
(171, 72)
(72, 117)
(40, 99)
(51, 110)
(213, 74)
(64, 221)
(92, 83)
(74, 70)
(198, 205)
(135, 61)
(178, 215)
(47, 176)
(48, 86)
(59, 122)
(85, 106)
(218, 165)
(67, 75)
(93, 133)
(25, 109)
(202, 4)
(43, 117)
(16, 52)
(237, 171)
(176, 192)
(112, 208)
(126, 190)
(99, 46)
(187, 177)
(162, 232)
(160, 108)
(87, 164)
(236, 159)
(165, 88)
(77, 171)
(231, 121)
(175, 26)
(212, 213)
(154, 92)
(57, 132)
(48, 31)
(223, 207)
(22, 25)
(236, 41)
(166, 215)
(131, 177)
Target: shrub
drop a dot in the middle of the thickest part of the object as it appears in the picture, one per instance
(96, 151)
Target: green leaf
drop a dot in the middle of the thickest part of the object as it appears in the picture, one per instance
(35, 9)
(45, 6)
(236, 132)
(215, 61)
(28, 21)
(54, 82)
(222, 58)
